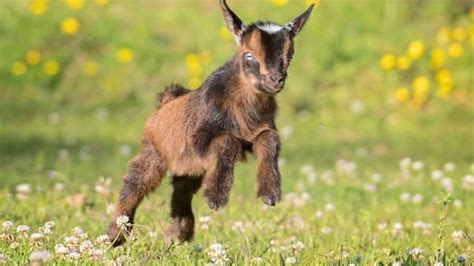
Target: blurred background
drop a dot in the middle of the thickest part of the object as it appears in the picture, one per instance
(372, 80)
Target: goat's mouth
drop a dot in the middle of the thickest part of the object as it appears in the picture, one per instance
(272, 89)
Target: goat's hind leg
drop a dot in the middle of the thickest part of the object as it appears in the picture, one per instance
(182, 227)
(144, 174)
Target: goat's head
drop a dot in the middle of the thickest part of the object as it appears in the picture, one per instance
(265, 48)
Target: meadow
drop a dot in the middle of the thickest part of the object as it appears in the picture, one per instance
(376, 121)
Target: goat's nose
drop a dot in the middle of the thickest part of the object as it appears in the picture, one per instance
(277, 79)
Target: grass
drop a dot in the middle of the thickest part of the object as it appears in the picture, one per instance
(348, 196)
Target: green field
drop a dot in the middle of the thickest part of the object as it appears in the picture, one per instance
(376, 122)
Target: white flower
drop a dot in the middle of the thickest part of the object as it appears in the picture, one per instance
(371, 188)
(438, 264)
(327, 177)
(110, 209)
(85, 246)
(424, 227)
(257, 260)
(449, 167)
(102, 239)
(3, 258)
(468, 182)
(382, 226)
(217, 254)
(436, 175)
(238, 226)
(71, 240)
(418, 165)
(447, 184)
(397, 229)
(77, 231)
(205, 221)
(330, 207)
(49, 224)
(40, 256)
(125, 150)
(346, 167)
(96, 254)
(122, 221)
(59, 187)
(457, 203)
(405, 197)
(60, 249)
(405, 163)
(23, 189)
(14, 245)
(22, 229)
(319, 214)
(417, 198)
(326, 230)
(457, 236)
(415, 252)
(357, 106)
(376, 177)
(396, 263)
(74, 255)
(286, 132)
(36, 236)
(290, 260)
(7, 225)
(298, 245)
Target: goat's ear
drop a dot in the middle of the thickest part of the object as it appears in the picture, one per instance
(233, 22)
(297, 23)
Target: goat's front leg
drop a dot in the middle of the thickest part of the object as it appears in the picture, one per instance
(266, 148)
(223, 152)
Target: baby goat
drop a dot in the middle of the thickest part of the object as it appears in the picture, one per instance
(199, 135)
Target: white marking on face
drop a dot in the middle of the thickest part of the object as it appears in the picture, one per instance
(270, 28)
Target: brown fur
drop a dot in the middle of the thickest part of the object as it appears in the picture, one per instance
(198, 136)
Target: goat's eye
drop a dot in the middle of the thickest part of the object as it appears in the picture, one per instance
(249, 56)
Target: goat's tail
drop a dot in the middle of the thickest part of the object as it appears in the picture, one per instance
(171, 92)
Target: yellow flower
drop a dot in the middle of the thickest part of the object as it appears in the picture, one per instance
(74, 4)
(387, 61)
(51, 68)
(420, 85)
(194, 70)
(455, 50)
(89, 68)
(33, 57)
(443, 77)
(401, 95)
(205, 56)
(70, 26)
(437, 58)
(225, 34)
(415, 50)
(192, 59)
(101, 2)
(403, 63)
(194, 82)
(471, 34)
(315, 2)
(458, 34)
(443, 35)
(18, 68)
(38, 7)
(419, 100)
(124, 55)
(444, 91)
(279, 2)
